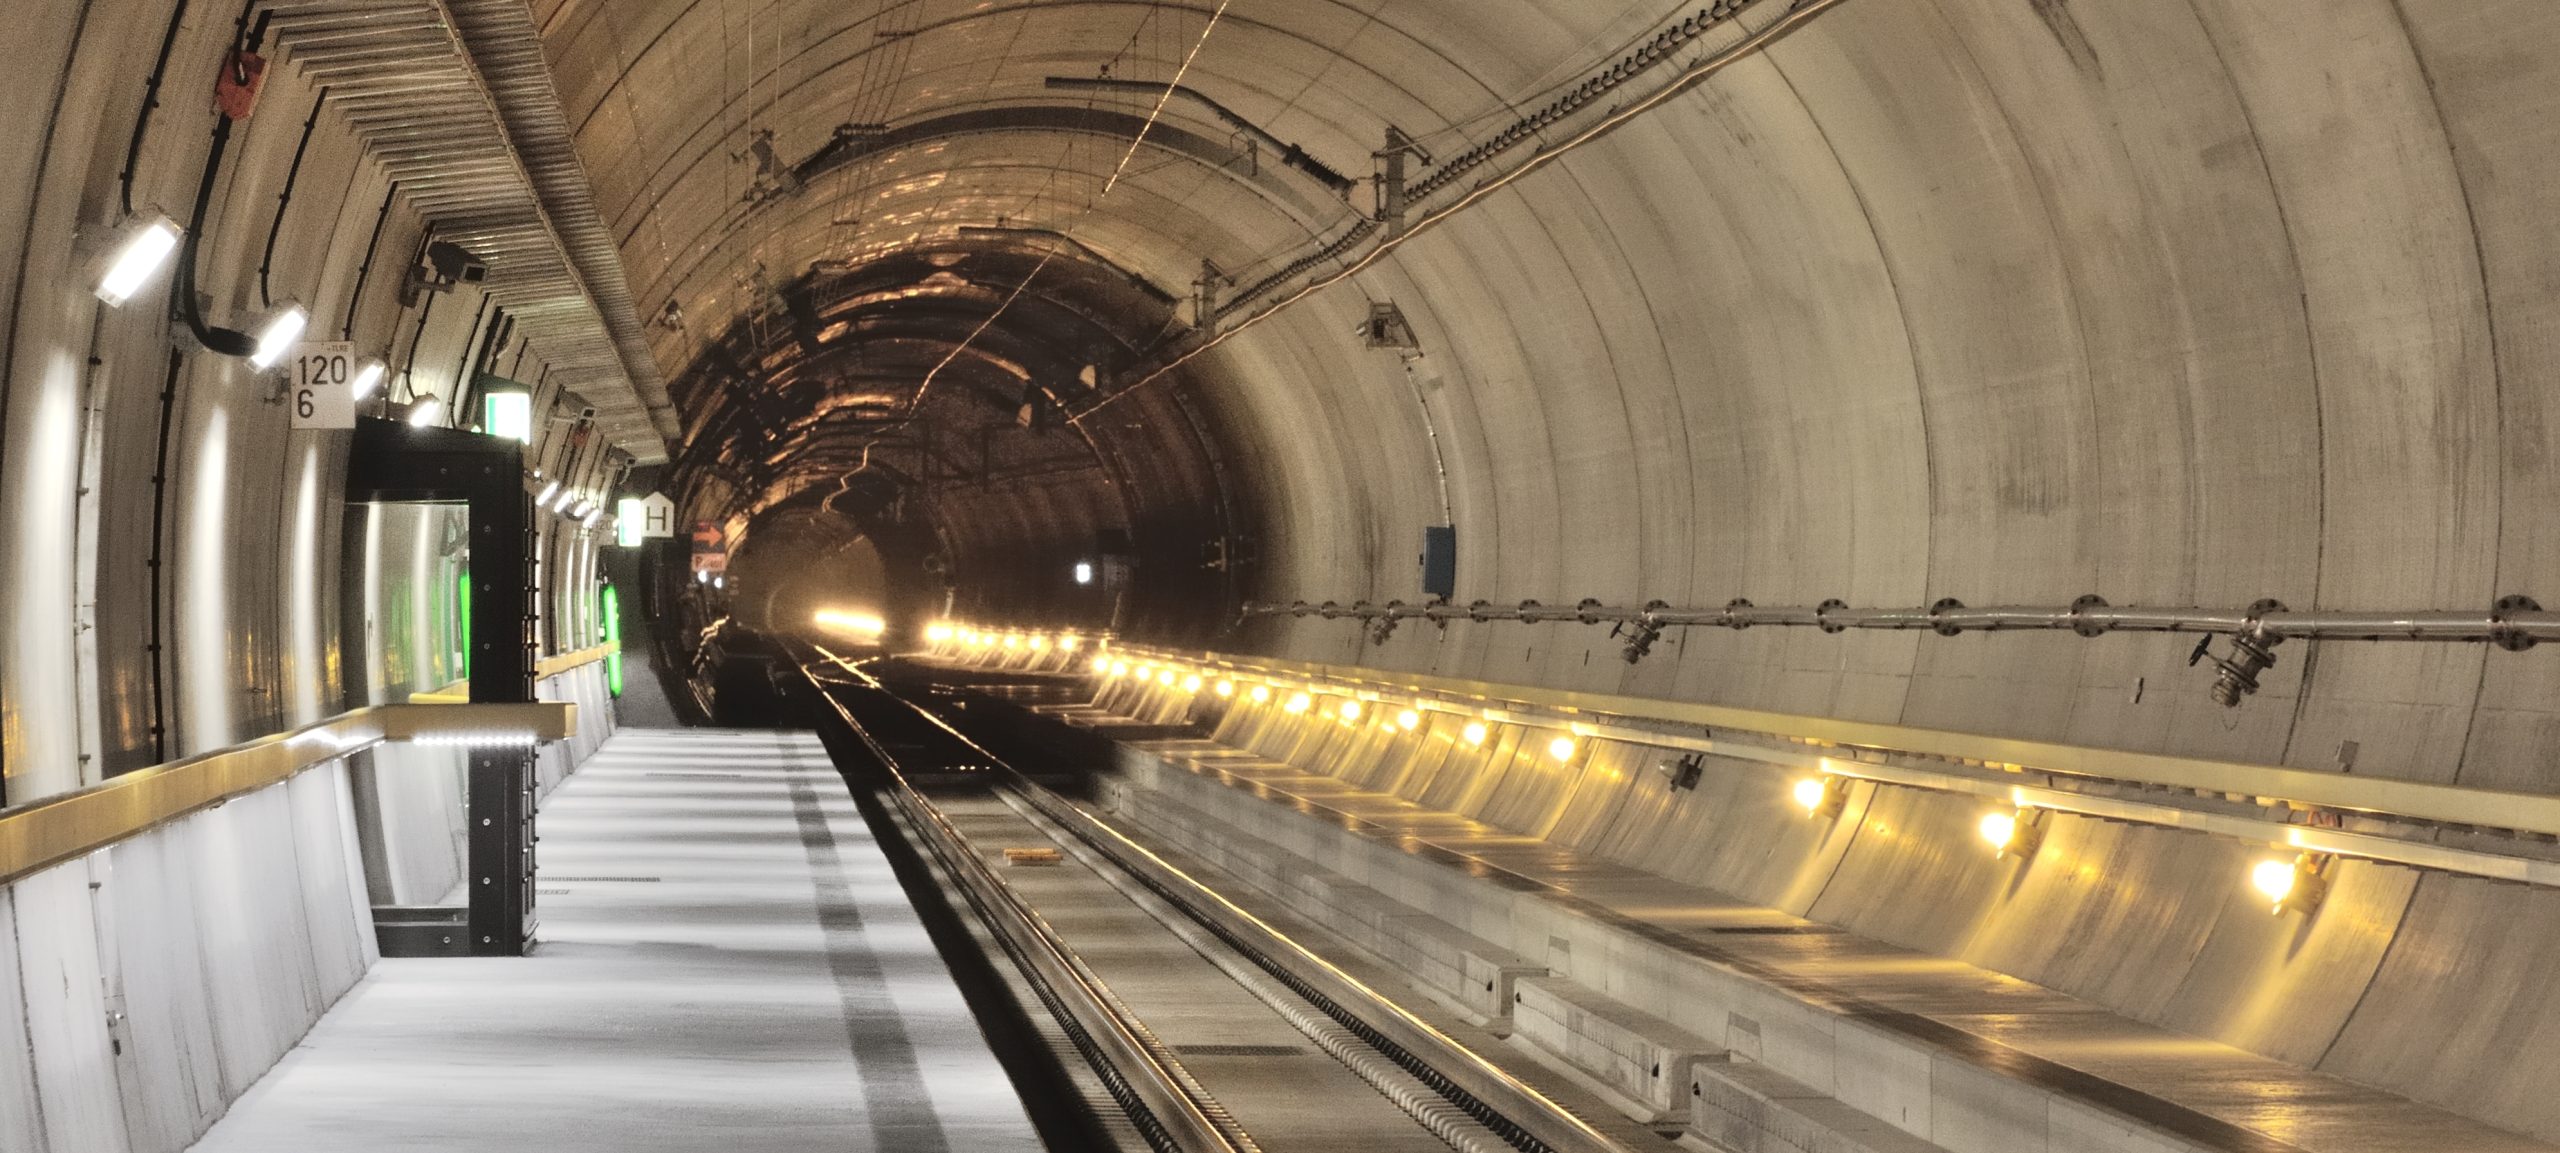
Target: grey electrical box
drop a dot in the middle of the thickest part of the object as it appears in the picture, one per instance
(1440, 561)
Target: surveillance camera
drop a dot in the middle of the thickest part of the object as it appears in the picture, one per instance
(454, 264)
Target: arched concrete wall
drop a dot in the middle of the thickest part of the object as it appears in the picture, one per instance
(250, 519)
(2010, 303)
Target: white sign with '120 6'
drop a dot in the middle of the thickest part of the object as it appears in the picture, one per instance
(321, 388)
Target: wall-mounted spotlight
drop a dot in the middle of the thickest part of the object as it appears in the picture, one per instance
(140, 252)
(1069, 643)
(1084, 572)
(2294, 886)
(1261, 694)
(424, 412)
(1475, 733)
(1165, 678)
(1409, 720)
(1119, 668)
(1683, 772)
(1226, 689)
(276, 339)
(1298, 703)
(1350, 710)
(2013, 834)
(1822, 796)
(368, 378)
(1191, 684)
(1562, 748)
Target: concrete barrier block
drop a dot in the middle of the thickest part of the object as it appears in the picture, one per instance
(19, 1127)
(66, 1018)
(1640, 1056)
(1751, 1108)
(1883, 1075)
(1975, 1110)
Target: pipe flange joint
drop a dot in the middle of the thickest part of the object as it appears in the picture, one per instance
(1587, 610)
(1822, 614)
(1480, 611)
(2080, 622)
(1938, 612)
(2502, 630)
(1733, 613)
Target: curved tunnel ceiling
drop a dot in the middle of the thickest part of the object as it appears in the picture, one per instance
(2002, 302)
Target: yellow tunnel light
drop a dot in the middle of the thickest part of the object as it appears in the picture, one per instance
(1165, 678)
(1119, 668)
(858, 623)
(1408, 720)
(1261, 694)
(1226, 688)
(938, 632)
(1298, 703)
(1039, 643)
(2012, 834)
(1561, 748)
(1101, 664)
(1012, 641)
(1070, 643)
(1821, 796)
(2292, 886)
(1350, 710)
(1475, 732)
(1191, 684)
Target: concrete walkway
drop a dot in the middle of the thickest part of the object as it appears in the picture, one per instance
(726, 962)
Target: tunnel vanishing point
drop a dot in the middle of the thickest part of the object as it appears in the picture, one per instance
(1203, 576)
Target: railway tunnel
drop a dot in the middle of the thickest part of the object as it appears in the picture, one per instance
(1227, 575)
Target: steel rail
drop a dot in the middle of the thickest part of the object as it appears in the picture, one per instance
(1092, 1015)
(1526, 1117)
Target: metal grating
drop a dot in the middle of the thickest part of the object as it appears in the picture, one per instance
(456, 103)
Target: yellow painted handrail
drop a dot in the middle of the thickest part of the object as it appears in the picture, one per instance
(459, 692)
(50, 831)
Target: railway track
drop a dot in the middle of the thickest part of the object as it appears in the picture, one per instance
(1438, 1084)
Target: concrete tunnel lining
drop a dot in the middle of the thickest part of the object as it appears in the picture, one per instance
(2186, 304)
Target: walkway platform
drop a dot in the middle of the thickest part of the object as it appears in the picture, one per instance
(725, 962)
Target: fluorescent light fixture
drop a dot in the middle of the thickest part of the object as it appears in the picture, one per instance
(276, 339)
(507, 414)
(589, 520)
(1084, 572)
(144, 250)
(548, 491)
(424, 412)
(368, 378)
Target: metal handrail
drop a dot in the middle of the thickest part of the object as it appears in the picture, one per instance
(48, 831)
(459, 692)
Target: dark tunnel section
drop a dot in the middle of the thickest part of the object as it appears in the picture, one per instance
(916, 435)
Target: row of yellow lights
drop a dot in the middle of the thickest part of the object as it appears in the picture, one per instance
(1299, 701)
(948, 633)
(2288, 885)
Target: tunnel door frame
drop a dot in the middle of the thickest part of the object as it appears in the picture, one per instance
(395, 461)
